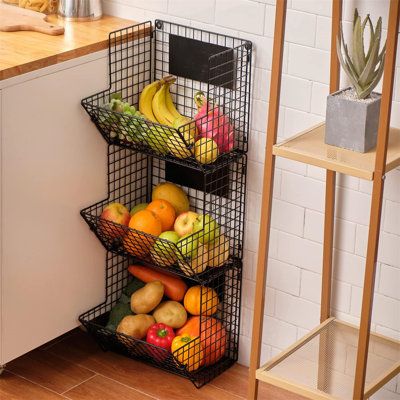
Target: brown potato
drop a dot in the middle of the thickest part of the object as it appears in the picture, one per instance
(136, 325)
(171, 313)
(147, 298)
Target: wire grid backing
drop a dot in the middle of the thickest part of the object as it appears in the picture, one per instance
(327, 362)
(219, 327)
(135, 63)
(132, 177)
(231, 66)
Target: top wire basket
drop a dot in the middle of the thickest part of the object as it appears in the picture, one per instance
(175, 92)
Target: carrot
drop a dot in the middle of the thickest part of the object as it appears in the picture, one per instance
(174, 288)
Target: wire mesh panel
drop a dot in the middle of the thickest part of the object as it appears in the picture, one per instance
(214, 328)
(325, 365)
(210, 86)
(202, 80)
(218, 196)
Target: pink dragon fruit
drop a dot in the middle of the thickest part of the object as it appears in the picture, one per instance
(213, 124)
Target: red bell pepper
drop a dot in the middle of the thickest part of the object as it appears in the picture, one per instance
(161, 335)
(211, 123)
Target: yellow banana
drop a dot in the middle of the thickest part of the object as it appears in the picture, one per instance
(160, 108)
(146, 99)
(171, 106)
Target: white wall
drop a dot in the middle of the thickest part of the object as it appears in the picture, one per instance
(293, 294)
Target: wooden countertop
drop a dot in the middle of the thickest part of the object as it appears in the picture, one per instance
(22, 52)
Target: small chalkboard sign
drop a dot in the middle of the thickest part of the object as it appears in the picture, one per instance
(189, 58)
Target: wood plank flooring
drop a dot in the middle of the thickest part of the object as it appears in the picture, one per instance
(74, 368)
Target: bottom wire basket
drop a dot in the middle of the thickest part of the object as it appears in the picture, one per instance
(227, 319)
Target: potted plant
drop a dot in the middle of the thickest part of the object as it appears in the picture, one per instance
(352, 114)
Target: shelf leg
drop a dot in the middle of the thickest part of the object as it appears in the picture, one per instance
(330, 187)
(329, 223)
(376, 202)
(267, 192)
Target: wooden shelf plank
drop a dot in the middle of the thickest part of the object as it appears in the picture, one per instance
(299, 368)
(309, 147)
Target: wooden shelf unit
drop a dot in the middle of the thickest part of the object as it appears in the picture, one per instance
(321, 364)
(316, 366)
(309, 147)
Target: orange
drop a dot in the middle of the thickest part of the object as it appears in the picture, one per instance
(201, 299)
(165, 211)
(146, 221)
(137, 243)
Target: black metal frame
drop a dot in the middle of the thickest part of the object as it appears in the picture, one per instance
(135, 63)
(228, 288)
(221, 68)
(220, 193)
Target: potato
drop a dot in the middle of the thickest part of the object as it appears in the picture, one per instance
(147, 298)
(136, 325)
(171, 313)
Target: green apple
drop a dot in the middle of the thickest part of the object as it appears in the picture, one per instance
(196, 265)
(157, 137)
(164, 253)
(138, 207)
(207, 227)
(188, 245)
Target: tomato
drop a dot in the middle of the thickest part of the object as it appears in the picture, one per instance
(188, 351)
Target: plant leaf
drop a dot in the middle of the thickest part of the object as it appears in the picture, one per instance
(371, 37)
(356, 15)
(367, 74)
(367, 91)
(358, 56)
(347, 65)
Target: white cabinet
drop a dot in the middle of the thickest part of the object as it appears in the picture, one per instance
(53, 163)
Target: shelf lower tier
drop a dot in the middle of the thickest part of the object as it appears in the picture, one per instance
(321, 365)
(309, 147)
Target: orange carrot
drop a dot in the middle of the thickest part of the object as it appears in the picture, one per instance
(174, 288)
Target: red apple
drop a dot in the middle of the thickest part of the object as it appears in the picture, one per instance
(184, 223)
(118, 214)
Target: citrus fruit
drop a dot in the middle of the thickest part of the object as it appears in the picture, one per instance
(146, 221)
(164, 211)
(201, 299)
(137, 243)
(172, 193)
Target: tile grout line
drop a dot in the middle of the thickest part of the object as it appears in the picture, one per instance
(80, 383)
(226, 391)
(34, 383)
(130, 387)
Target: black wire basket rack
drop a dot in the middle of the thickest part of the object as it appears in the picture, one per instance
(211, 87)
(218, 194)
(200, 360)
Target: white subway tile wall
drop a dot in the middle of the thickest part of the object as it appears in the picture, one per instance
(293, 293)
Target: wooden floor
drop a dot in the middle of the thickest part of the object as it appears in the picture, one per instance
(73, 367)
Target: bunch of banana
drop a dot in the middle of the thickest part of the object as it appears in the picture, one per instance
(156, 103)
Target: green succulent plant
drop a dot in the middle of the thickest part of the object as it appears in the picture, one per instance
(363, 69)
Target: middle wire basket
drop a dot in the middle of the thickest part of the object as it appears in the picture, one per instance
(219, 193)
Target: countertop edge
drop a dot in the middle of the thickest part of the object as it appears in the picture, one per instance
(52, 60)
(81, 39)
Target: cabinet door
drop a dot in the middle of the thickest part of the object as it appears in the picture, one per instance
(53, 163)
